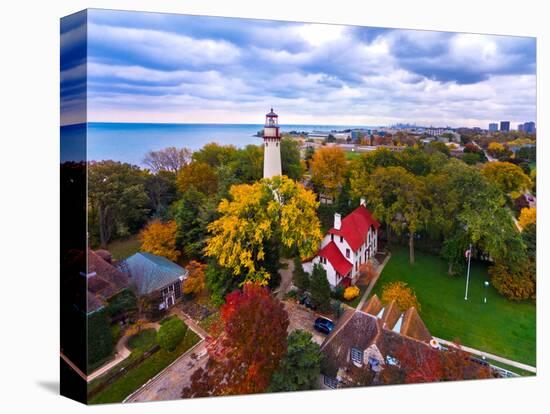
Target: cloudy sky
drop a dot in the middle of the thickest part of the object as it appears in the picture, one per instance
(148, 67)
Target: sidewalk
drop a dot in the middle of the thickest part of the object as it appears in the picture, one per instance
(373, 282)
(121, 353)
(489, 356)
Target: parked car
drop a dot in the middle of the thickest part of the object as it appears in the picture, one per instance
(323, 325)
(305, 300)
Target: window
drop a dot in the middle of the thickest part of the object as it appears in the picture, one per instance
(332, 237)
(374, 364)
(356, 356)
(347, 253)
(266, 144)
(392, 361)
(177, 290)
(341, 239)
(330, 382)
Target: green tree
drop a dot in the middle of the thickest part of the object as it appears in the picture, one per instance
(529, 236)
(300, 367)
(162, 191)
(171, 333)
(319, 287)
(290, 158)
(215, 154)
(247, 166)
(100, 339)
(399, 199)
(300, 278)
(200, 176)
(220, 281)
(118, 200)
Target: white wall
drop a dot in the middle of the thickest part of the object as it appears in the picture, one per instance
(272, 158)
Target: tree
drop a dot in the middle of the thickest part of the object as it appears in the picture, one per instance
(367, 272)
(99, 337)
(196, 281)
(465, 208)
(220, 281)
(300, 367)
(403, 295)
(160, 238)
(497, 150)
(168, 159)
(300, 278)
(528, 216)
(215, 155)
(509, 178)
(319, 287)
(192, 214)
(199, 176)
(290, 158)
(249, 351)
(419, 364)
(398, 198)
(117, 198)
(171, 333)
(161, 189)
(471, 158)
(529, 236)
(328, 170)
(259, 217)
(438, 146)
(247, 166)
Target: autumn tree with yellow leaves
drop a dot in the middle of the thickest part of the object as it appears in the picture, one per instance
(527, 216)
(328, 169)
(160, 238)
(272, 212)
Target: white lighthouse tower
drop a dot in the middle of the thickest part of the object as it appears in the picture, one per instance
(272, 146)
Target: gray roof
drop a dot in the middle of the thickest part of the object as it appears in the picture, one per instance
(150, 272)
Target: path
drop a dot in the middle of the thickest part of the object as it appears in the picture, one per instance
(168, 384)
(121, 353)
(373, 282)
(286, 278)
(489, 158)
(490, 356)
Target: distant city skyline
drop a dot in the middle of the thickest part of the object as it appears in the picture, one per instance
(169, 68)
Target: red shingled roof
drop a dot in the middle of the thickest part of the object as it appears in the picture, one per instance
(336, 258)
(355, 227)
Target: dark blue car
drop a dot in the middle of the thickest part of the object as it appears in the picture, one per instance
(323, 325)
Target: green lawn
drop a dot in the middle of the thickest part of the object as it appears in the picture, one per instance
(139, 375)
(123, 248)
(144, 340)
(351, 155)
(500, 327)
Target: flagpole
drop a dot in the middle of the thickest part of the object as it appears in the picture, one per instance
(468, 273)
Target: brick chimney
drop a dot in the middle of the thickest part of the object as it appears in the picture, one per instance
(337, 221)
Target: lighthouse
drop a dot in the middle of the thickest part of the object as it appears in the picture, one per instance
(272, 145)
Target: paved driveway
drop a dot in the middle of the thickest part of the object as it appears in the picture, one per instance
(302, 318)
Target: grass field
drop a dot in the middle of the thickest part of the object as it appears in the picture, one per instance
(352, 155)
(500, 327)
(123, 248)
(139, 375)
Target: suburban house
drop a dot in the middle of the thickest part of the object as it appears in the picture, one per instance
(103, 279)
(351, 242)
(365, 342)
(151, 274)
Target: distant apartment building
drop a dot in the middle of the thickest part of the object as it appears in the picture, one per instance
(505, 126)
(520, 127)
(529, 127)
(493, 127)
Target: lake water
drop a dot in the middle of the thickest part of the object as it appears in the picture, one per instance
(129, 142)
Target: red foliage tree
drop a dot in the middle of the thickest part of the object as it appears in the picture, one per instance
(243, 359)
(419, 364)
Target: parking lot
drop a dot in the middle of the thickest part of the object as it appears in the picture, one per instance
(302, 318)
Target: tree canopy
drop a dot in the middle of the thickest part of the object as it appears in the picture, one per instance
(328, 169)
(276, 210)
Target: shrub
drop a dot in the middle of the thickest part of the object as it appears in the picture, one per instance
(338, 293)
(515, 284)
(116, 332)
(402, 295)
(351, 292)
(337, 308)
(171, 333)
(100, 339)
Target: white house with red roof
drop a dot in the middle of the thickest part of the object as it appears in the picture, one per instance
(351, 242)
